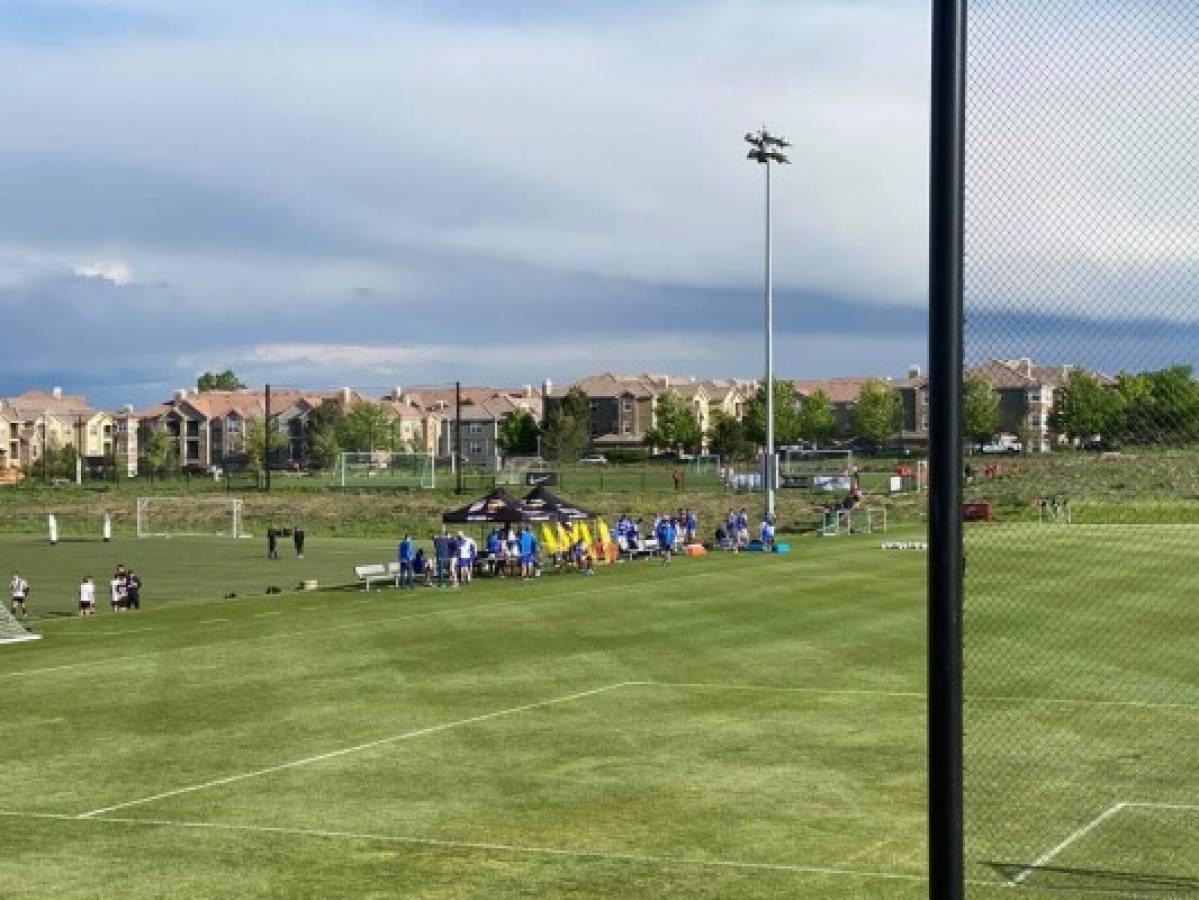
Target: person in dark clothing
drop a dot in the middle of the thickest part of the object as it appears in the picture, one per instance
(297, 538)
(133, 590)
(272, 544)
(441, 551)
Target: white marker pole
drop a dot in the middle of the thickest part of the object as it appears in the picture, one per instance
(53, 523)
(106, 527)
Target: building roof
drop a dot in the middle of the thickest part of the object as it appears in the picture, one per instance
(1021, 373)
(838, 390)
(34, 403)
(609, 385)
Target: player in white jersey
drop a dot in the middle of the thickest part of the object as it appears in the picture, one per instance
(87, 596)
(18, 589)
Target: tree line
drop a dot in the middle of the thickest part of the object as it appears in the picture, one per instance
(874, 420)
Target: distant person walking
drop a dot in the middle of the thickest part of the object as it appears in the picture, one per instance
(272, 544)
(18, 591)
(297, 538)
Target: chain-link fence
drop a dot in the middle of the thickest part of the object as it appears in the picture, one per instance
(1081, 416)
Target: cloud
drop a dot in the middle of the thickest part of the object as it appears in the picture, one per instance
(114, 270)
(541, 188)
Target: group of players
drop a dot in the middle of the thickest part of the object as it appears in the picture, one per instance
(124, 593)
(508, 552)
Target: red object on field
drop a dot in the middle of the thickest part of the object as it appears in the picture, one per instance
(981, 511)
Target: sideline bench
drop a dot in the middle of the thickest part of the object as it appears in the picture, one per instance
(378, 572)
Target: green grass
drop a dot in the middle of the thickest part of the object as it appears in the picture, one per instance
(736, 726)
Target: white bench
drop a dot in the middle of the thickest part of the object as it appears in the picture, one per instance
(627, 548)
(378, 572)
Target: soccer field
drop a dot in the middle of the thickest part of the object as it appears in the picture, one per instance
(735, 726)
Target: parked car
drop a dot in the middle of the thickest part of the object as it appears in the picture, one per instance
(594, 459)
(1002, 444)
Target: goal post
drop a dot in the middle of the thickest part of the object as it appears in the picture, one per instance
(385, 468)
(190, 517)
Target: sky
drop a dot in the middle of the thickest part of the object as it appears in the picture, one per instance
(376, 193)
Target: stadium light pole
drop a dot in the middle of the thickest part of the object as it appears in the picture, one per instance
(766, 148)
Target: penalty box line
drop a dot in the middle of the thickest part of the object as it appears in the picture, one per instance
(434, 729)
(483, 717)
(345, 751)
(1077, 835)
(491, 847)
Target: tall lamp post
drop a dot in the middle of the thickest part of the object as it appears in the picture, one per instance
(766, 148)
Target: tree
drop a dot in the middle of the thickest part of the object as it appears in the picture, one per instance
(519, 433)
(219, 381)
(726, 437)
(565, 437)
(786, 415)
(366, 427)
(675, 425)
(323, 448)
(816, 419)
(1084, 408)
(980, 409)
(576, 404)
(158, 452)
(878, 413)
(262, 443)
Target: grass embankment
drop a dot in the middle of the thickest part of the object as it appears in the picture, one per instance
(388, 513)
(1134, 487)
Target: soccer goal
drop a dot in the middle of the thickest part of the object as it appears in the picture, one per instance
(384, 468)
(12, 631)
(827, 471)
(189, 517)
(862, 520)
(705, 464)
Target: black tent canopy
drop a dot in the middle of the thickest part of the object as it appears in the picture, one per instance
(498, 506)
(541, 504)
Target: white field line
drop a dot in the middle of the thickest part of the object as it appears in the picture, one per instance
(345, 751)
(263, 615)
(919, 695)
(212, 621)
(1149, 804)
(487, 847)
(360, 623)
(89, 634)
(716, 686)
(1050, 855)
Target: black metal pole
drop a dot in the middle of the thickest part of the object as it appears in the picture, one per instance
(946, 558)
(458, 436)
(266, 440)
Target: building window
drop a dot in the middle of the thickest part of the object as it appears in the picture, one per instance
(627, 429)
(476, 428)
(628, 406)
(474, 448)
(233, 426)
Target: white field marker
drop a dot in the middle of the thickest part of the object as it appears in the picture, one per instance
(345, 751)
(1050, 855)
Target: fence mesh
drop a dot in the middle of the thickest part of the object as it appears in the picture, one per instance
(1082, 327)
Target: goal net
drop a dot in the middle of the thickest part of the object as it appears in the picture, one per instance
(384, 468)
(189, 517)
(817, 470)
(11, 630)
